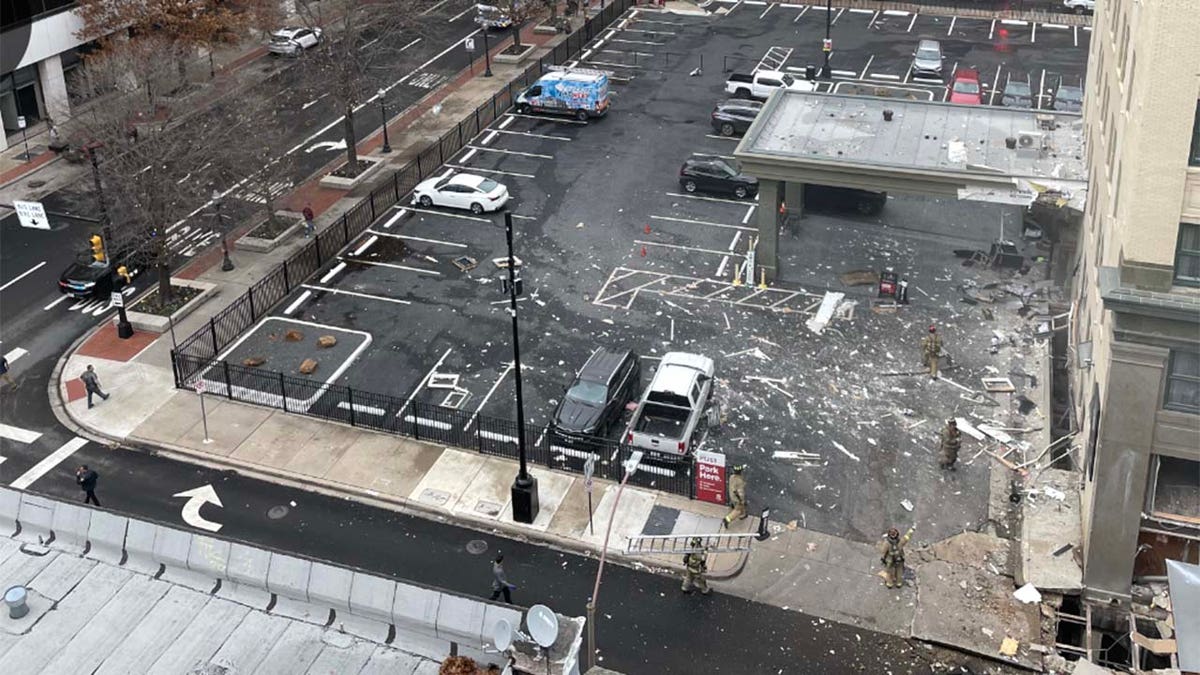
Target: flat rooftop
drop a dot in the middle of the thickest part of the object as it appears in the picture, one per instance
(922, 136)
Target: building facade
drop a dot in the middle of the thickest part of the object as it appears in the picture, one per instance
(38, 51)
(1135, 335)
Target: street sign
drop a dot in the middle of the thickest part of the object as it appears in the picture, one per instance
(710, 476)
(198, 385)
(20, 121)
(117, 300)
(826, 45)
(589, 467)
(470, 43)
(32, 214)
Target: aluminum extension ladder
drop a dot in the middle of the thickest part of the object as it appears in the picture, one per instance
(658, 544)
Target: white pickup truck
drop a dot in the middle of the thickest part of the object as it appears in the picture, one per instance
(761, 83)
(672, 406)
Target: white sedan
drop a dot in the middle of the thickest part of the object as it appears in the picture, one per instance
(292, 41)
(462, 191)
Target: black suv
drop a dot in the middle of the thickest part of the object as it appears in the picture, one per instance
(87, 278)
(830, 198)
(712, 173)
(735, 116)
(595, 401)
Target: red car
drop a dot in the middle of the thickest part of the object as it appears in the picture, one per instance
(964, 87)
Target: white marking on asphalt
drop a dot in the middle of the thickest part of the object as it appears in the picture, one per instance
(1075, 30)
(60, 299)
(884, 76)
(702, 222)
(299, 301)
(533, 135)
(366, 296)
(769, 8)
(521, 217)
(871, 23)
(434, 7)
(749, 212)
(1014, 22)
(867, 68)
(707, 199)
(487, 396)
(394, 266)
(1041, 91)
(912, 23)
(368, 44)
(950, 30)
(26, 273)
(365, 245)
(313, 102)
(726, 138)
(839, 15)
(489, 138)
(449, 214)
(52, 460)
(466, 157)
(359, 408)
(554, 120)
(643, 242)
(18, 434)
(512, 152)
(422, 239)
(863, 11)
(410, 44)
(929, 80)
(336, 270)
(844, 73)
(461, 14)
(16, 353)
(425, 379)
(992, 30)
(508, 119)
(392, 221)
(737, 236)
(197, 498)
(1033, 35)
(801, 14)
(895, 12)
(995, 86)
(425, 422)
(495, 171)
(1060, 26)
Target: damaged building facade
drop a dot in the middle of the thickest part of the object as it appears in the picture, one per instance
(1134, 345)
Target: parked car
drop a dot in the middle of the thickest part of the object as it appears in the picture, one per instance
(711, 173)
(1017, 94)
(761, 83)
(462, 191)
(669, 413)
(1067, 98)
(293, 41)
(965, 88)
(596, 400)
(830, 198)
(88, 278)
(490, 17)
(1080, 6)
(734, 117)
(927, 59)
(581, 92)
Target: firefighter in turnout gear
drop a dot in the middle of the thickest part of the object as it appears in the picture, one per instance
(931, 347)
(695, 567)
(891, 554)
(951, 444)
(737, 494)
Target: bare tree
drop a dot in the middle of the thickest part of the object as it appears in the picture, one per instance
(262, 133)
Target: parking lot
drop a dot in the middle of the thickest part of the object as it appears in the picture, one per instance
(614, 253)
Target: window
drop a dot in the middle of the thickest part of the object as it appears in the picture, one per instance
(1183, 381)
(1194, 156)
(1187, 255)
(1176, 488)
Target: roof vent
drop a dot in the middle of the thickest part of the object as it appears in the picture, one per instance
(1010, 143)
(1046, 122)
(887, 115)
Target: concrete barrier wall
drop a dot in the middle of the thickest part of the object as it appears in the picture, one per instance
(10, 506)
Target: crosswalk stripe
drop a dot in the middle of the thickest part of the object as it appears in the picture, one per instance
(52, 460)
(18, 434)
(14, 354)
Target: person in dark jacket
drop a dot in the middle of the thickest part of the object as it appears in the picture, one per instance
(86, 479)
(500, 581)
(91, 382)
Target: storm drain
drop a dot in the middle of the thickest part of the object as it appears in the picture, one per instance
(477, 547)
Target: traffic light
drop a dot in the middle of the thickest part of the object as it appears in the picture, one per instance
(97, 248)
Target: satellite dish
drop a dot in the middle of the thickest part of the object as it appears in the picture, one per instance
(502, 634)
(542, 625)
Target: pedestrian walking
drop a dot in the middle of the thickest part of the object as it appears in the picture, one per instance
(308, 220)
(951, 444)
(695, 566)
(4, 372)
(891, 554)
(91, 381)
(86, 479)
(500, 581)
(737, 495)
(931, 347)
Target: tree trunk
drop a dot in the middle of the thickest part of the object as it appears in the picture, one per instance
(351, 143)
(164, 283)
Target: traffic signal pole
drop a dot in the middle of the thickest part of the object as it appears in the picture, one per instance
(124, 328)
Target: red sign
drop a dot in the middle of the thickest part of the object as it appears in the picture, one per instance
(827, 45)
(710, 476)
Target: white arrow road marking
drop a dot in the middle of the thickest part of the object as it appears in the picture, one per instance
(328, 145)
(197, 497)
(18, 434)
(52, 460)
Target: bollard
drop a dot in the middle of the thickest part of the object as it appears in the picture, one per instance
(15, 598)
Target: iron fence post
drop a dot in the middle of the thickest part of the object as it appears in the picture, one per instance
(228, 380)
(350, 404)
(250, 296)
(283, 391)
(212, 328)
(372, 205)
(287, 283)
(345, 229)
(396, 185)
(175, 369)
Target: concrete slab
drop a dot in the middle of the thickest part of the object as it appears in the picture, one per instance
(237, 423)
(37, 517)
(106, 534)
(552, 491)
(62, 574)
(386, 661)
(447, 480)
(71, 527)
(338, 659)
(329, 586)
(277, 440)
(206, 633)
(385, 465)
(250, 643)
(633, 510)
(294, 652)
(22, 567)
(317, 455)
(1046, 526)
(137, 391)
(487, 493)
(967, 609)
(178, 413)
(157, 631)
(89, 647)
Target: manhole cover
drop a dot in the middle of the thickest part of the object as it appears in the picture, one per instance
(277, 512)
(476, 547)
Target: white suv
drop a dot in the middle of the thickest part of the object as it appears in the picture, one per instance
(1080, 6)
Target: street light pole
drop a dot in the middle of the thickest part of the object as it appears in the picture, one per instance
(124, 328)
(487, 55)
(524, 488)
(827, 46)
(226, 263)
(387, 147)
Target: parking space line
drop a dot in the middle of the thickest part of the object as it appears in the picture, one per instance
(365, 245)
(707, 199)
(394, 266)
(52, 460)
(643, 242)
(495, 171)
(487, 396)
(992, 30)
(995, 84)
(801, 14)
(360, 408)
(737, 236)
(24, 274)
(421, 239)
(512, 152)
(874, 18)
(449, 214)
(333, 272)
(912, 23)
(866, 69)
(508, 119)
(467, 156)
(703, 222)
(368, 296)
(1075, 30)
(839, 15)
(1033, 35)
(769, 8)
(723, 138)
(533, 135)
(950, 31)
(489, 138)
(424, 380)
(461, 14)
(521, 217)
(555, 120)
(299, 301)
(749, 212)
(844, 73)
(434, 7)
(410, 44)
(392, 221)
(49, 306)
(1014, 22)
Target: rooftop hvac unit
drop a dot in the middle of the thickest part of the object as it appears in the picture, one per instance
(1030, 140)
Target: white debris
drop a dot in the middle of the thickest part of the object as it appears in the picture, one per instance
(824, 313)
(845, 452)
(908, 506)
(1028, 594)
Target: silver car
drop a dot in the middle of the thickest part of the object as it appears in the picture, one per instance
(927, 59)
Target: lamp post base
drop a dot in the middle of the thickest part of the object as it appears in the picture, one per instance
(124, 330)
(525, 499)
(227, 264)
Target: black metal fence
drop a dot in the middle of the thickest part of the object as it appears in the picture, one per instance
(196, 357)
